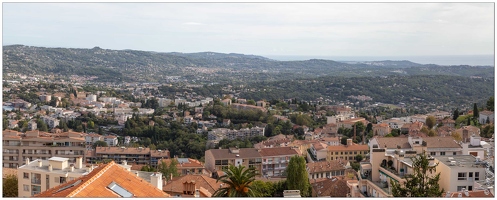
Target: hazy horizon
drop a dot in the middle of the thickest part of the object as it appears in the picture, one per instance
(381, 29)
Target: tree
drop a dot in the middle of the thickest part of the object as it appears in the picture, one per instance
(237, 182)
(250, 102)
(344, 140)
(457, 136)
(455, 115)
(263, 189)
(421, 183)
(359, 158)
(297, 178)
(432, 133)
(99, 144)
(430, 122)
(490, 104)
(10, 186)
(476, 113)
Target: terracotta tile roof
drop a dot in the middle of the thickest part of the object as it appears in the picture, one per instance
(326, 166)
(8, 171)
(96, 183)
(319, 146)
(160, 153)
(356, 147)
(192, 163)
(334, 187)
(472, 194)
(441, 142)
(201, 181)
(486, 112)
(329, 139)
(392, 142)
(278, 151)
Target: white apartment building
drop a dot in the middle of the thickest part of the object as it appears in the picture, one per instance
(40, 175)
(111, 140)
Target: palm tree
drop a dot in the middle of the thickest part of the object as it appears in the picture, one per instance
(237, 182)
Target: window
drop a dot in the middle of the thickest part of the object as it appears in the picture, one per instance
(351, 158)
(433, 153)
(35, 190)
(341, 153)
(336, 153)
(35, 178)
(119, 190)
(477, 176)
(459, 188)
(461, 176)
(346, 153)
(26, 187)
(454, 153)
(442, 153)
(470, 188)
(26, 175)
(355, 152)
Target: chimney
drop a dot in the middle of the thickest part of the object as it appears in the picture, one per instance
(71, 169)
(197, 193)
(40, 164)
(125, 162)
(171, 177)
(27, 161)
(50, 168)
(466, 193)
(156, 180)
(79, 162)
(349, 142)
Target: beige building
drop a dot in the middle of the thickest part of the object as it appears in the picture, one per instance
(346, 152)
(137, 156)
(17, 146)
(275, 160)
(39, 175)
(326, 169)
(459, 172)
(219, 159)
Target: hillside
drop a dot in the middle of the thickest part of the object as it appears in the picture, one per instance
(205, 67)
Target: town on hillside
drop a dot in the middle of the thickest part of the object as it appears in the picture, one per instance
(72, 139)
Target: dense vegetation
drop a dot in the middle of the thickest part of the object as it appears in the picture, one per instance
(206, 67)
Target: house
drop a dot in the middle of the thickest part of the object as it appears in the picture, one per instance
(326, 169)
(349, 123)
(226, 102)
(186, 166)
(330, 129)
(261, 104)
(467, 131)
(486, 116)
(109, 181)
(226, 122)
(449, 122)
(381, 129)
(318, 151)
(91, 138)
(189, 186)
(111, 140)
(330, 187)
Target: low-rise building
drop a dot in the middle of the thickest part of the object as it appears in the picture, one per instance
(346, 152)
(458, 172)
(109, 181)
(326, 169)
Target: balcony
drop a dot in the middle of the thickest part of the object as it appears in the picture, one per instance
(36, 181)
(392, 174)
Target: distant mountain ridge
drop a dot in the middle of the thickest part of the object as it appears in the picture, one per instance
(203, 67)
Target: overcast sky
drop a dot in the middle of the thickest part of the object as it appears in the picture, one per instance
(320, 29)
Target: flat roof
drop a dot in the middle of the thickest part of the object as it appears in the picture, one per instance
(60, 159)
(462, 161)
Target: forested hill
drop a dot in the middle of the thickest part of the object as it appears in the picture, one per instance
(205, 67)
(439, 89)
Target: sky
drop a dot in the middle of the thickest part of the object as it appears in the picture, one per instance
(303, 29)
